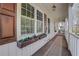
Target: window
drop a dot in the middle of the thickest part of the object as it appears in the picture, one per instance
(75, 26)
(48, 25)
(74, 21)
(27, 19)
(45, 23)
(39, 22)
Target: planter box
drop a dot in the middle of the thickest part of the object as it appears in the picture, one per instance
(22, 44)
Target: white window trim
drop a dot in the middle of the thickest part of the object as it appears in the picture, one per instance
(18, 21)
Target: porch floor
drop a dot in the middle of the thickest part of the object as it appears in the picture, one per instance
(55, 47)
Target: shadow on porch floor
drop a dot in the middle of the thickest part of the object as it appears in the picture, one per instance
(55, 47)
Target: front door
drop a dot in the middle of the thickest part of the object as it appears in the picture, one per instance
(7, 22)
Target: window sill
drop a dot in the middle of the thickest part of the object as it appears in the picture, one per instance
(39, 33)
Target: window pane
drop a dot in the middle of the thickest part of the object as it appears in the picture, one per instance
(28, 30)
(28, 14)
(23, 11)
(39, 16)
(32, 26)
(28, 22)
(32, 15)
(23, 21)
(48, 25)
(78, 30)
(28, 6)
(24, 5)
(32, 9)
(23, 25)
(39, 26)
(22, 30)
(77, 26)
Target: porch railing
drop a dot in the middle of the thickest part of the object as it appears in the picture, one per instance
(73, 43)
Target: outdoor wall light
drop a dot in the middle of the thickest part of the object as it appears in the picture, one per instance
(53, 7)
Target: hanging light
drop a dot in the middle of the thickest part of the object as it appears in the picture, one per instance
(53, 7)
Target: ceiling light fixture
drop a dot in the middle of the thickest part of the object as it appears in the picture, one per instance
(53, 7)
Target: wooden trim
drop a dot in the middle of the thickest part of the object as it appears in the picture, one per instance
(7, 40)
(7, 9)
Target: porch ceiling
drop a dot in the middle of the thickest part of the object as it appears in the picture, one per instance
(61, 10)
(59, 14)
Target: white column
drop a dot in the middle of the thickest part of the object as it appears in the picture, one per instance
(35, 22)
(18, 21)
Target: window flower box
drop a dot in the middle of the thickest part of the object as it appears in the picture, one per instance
(24, 42)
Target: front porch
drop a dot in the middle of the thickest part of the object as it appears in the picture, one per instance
(57, 46)
(37, 29)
